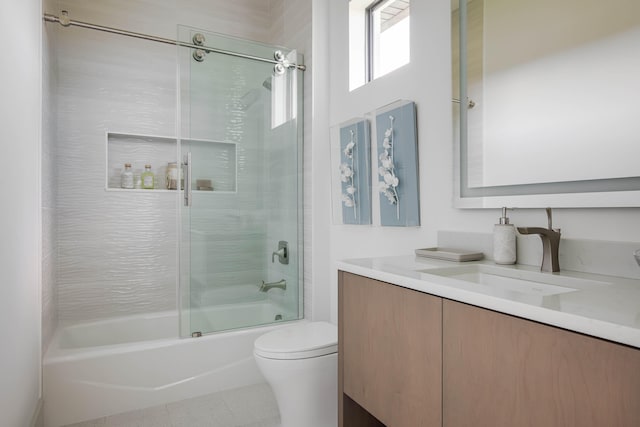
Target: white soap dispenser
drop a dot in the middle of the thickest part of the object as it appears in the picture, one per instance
(504, 241)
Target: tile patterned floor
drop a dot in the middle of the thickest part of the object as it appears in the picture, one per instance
(252, 406)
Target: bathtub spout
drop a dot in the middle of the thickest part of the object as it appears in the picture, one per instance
(282, 284)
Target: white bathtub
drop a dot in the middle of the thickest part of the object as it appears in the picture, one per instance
(117, 365)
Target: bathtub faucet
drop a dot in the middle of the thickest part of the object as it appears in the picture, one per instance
(282, 284)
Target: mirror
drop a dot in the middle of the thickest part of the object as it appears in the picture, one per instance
(550, 113)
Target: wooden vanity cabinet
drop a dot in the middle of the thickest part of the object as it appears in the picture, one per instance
(504, 371)
(389, 355)
(406, 358)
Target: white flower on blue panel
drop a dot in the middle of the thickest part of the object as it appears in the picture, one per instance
(389, 184)
(347, 175)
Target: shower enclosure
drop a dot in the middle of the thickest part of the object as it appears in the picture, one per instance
(240, 213)
(237, 181)
(215, 247)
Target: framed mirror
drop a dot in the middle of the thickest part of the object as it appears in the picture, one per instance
(546, 103)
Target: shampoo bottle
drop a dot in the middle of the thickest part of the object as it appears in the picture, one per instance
(504, 241)
(126, 178)
(148, 179)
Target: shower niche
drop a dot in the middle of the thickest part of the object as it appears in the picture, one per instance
(218, 174)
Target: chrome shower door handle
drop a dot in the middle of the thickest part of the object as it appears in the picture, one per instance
(188, 190)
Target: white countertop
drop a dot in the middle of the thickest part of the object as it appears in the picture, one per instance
(609, 310)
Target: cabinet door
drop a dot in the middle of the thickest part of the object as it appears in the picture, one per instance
(501, 370)
(390, 345)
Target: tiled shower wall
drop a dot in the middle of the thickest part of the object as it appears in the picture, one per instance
(116, 252)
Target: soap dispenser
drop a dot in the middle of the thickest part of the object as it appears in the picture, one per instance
(504, 241)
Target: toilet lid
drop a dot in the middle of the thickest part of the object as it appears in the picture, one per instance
(302, 341)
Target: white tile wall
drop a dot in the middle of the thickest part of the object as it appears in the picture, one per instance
(116, 253)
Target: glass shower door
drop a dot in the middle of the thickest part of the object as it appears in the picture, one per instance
(241, 144)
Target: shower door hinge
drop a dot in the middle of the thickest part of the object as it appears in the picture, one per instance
(196, 334)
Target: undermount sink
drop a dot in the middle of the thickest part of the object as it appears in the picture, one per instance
(511, 279)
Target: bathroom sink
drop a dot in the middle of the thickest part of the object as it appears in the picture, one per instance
(512, 279)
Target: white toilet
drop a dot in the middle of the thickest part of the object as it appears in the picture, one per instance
(300, 363)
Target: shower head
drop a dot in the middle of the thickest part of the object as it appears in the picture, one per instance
(267, 83)
(249, 98)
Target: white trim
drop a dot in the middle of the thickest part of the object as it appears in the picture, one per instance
(37, 419)
(171, 138)
(39, 233)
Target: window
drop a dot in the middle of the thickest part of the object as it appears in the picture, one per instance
(379, 37)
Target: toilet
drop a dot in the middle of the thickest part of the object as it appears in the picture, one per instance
(300, 363)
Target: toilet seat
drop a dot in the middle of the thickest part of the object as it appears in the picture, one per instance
(302, 341)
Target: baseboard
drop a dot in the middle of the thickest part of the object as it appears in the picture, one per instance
(37, 420)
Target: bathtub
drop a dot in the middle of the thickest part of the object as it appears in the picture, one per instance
(117, 365)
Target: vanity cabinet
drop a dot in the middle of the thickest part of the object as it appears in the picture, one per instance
(389, 355)
(406, 358)
(501, 370)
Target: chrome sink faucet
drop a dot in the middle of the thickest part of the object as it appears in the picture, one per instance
(550, 244)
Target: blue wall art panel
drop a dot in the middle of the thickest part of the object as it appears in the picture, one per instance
(397, 165)
(355, 176)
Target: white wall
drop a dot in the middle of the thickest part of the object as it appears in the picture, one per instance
(20, 217)
(427, 81)
(317, 187)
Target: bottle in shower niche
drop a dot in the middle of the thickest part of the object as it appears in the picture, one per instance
(504, 241)
(147, 178)
(126, 178)
(172, 176)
